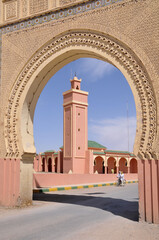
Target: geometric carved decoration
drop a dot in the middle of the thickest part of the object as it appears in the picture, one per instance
(101, 43)
(24, 8)
(10, 10)
(15, 8)
(38, 6)
(63, 2)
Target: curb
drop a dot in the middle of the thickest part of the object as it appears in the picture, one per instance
(43, 190)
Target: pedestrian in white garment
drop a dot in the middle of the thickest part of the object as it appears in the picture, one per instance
(122, 178)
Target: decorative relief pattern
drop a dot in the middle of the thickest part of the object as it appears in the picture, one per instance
(54, 4)
(38, 6)
(70, 11)
(24, 8)
(64, 2)
(107, 45)
(11, 10)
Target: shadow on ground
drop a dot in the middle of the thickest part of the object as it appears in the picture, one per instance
(120, 207)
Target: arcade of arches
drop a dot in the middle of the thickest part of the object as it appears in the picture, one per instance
(36, 40)
(103, 162)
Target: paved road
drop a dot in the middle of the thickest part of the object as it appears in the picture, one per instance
(96, 213)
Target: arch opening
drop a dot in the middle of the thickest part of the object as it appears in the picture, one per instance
(53, 56)
(133, 166)
(123, 165)
(99, 165)
(112, 165)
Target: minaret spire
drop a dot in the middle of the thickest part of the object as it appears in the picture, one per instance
(75, 83)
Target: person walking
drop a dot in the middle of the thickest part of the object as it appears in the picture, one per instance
(122, 178)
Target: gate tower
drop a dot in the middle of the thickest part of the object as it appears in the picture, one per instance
(75, 139)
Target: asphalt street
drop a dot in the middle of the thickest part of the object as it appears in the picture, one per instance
(94, 213)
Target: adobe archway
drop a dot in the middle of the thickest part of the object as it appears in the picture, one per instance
(50, 58)
(53, 56)
(81, 40)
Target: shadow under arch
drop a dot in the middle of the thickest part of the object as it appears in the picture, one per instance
(120, 207)
(55, 54)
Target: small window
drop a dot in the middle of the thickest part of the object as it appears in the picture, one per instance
(78, 148)
(78, 129)
(77, 87)
(78, 114)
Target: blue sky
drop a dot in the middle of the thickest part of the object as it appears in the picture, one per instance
(109, 96)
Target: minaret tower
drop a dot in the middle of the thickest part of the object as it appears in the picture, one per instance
(75, 139)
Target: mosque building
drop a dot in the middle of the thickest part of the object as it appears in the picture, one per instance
(78, 155)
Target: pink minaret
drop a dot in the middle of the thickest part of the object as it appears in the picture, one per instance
(75, 139)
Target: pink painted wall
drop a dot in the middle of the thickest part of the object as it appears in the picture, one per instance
(9, 181)
(89, 162)
(80, 97)
(67, 165)
(148, 171)
(67, 132)
(53, 161)
(60, 162)
(67, 97)
(36, 163)
(80, 130)
(50, 179)
(79, 165)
